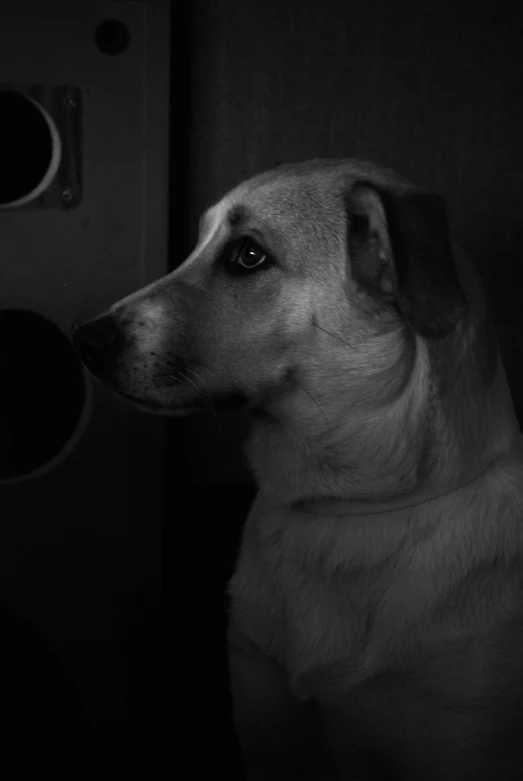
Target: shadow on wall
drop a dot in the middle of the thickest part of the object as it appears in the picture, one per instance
(44, 730)
(510, 341)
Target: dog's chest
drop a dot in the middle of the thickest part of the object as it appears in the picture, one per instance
(283, 603)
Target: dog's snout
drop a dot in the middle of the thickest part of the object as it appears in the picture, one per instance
(98, 343)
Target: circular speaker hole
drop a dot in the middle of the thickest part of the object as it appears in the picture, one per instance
(45, 395)
(30, 149)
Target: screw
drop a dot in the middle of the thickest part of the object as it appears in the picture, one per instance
(69, 102)
(67, 195)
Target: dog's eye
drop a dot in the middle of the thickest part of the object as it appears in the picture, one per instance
(247, 256)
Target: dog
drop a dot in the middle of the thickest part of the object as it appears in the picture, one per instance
(376, 607)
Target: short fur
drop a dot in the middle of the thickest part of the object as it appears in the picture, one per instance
(376, 608)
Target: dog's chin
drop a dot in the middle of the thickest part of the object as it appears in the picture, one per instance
(222, 401)
(153, 408)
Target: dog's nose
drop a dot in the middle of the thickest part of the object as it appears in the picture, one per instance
(98, 343)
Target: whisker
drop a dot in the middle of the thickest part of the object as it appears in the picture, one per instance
(221, 376)
(205, 389)
(181, 375)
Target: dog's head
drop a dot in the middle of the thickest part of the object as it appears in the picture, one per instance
(306, 279)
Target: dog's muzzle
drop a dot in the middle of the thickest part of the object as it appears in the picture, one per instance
(99, 343)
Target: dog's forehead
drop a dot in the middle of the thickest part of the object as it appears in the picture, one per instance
(280, 198)
(298, 192)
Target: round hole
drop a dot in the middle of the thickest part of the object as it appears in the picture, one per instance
(46, 395)
(111, 37)
(30, 149)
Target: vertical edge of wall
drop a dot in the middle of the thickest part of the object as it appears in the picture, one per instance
(156, 142)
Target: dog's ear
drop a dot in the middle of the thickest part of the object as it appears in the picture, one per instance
(400, 252)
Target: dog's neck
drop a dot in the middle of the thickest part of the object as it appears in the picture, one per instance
(423, 494)
(372, 463)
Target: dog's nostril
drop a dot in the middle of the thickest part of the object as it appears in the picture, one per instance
(98, 340)
(91, 336)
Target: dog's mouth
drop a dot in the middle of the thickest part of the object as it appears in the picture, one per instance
(224, 402)
(160, 409)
